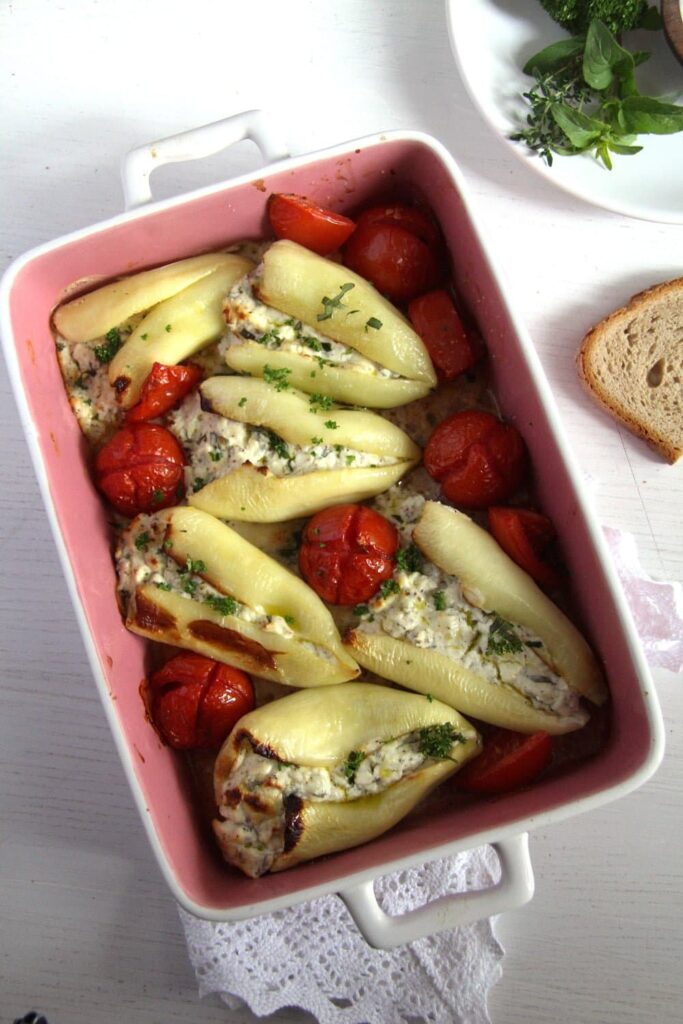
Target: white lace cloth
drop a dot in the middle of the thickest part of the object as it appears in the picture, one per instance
(313, 956)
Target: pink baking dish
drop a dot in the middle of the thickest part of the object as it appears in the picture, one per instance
(153, 233)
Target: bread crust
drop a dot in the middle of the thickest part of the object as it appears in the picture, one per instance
(595, 343)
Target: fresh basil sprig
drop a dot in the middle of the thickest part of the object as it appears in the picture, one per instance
(586, 99)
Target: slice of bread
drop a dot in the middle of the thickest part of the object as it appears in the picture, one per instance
(632, 364)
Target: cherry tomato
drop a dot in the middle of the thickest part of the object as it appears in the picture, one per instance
(140, 469)
(396, 261)
(508, 760)
(452, 349)
(196, 701)
(412, 218)
(346, 552)
(164, 386)
(526, 537)
(301, 221)
(478, 460)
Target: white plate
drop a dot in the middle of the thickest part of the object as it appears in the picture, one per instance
(491, 41)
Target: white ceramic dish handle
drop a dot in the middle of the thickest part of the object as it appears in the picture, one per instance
(138, 165)
(515, 888)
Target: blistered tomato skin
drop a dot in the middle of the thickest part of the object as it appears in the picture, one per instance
(394, 260)
(302, 221)
(140, 469)
(164, 387)
(509, 760)
(411, 218)
(452, 349)
(527, 537)
(347, 552)
(478, 460)
(196, 701)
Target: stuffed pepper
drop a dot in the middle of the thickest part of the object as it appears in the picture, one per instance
(110, 339)
(327, 769)
(318, 326)
(460, 620)
(187, 579)
(260, 454)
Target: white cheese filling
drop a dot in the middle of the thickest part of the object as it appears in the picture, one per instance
(427, 608)
(254, 838)
(249, 319)
(85, 370)
(214, 445)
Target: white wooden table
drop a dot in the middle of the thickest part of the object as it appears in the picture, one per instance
(89, 931)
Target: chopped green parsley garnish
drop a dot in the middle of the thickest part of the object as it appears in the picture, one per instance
(389, 587)
(270, 337)
(194, 565)
(430, 698)
(112, 343)
(316, 440)
(163, 586)
(311, 342)
(409, 559)
(374, 323)
(502, 638)
(360, 610)
(350, 459)
(439, 599)
(276, 377)
(222, 605)
(278, 445)
(189, 586)
(141, 541)
(242, 402)
(320, 403)
(168, 544)
(329, 305)
(198, 483)
(289, 619)
(168, 328)
(144, 337)
(437, 740)
(215, 456)
(331, 424)
(157, 496)
(352, 764)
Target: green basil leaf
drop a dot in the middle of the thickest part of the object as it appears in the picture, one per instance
(640, 57)
(603, 58)
(554, 57)
(619, 147)
(580, 129)
(644, 115)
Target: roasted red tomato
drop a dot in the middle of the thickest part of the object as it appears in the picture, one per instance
(508, 760)
(413, 219)
(527, 537)
(395, 260)
(452, 349)
(196, 701)
(346, 552)
(140, 469)
(165, 385)
(478, 460)
(301, 221)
